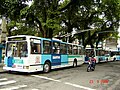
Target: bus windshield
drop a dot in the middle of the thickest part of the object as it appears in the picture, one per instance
(115, 53)
(100, 52)
(90, 52)
(17, 49)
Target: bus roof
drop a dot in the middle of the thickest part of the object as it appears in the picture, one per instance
(53, 39)
(29, 36)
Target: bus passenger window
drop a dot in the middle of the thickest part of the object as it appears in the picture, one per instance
(63, 48)
(46, 50)
(35, 47)
(70, 49)
(56, 48)
(46, 47)
(80, 51)
(75, 50)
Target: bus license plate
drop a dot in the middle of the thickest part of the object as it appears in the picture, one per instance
(20, 66)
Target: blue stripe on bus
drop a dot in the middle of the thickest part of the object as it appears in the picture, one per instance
(10, 61)
(56, 59)
(117, 57)
(45, 57)
(6, 60)
(102, 58)
(64, 59)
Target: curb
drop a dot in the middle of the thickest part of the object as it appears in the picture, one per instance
(1, 68)
(1, 64)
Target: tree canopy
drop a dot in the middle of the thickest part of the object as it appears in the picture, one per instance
(48, 18)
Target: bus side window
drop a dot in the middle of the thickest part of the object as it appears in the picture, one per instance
(46, 47)
(56, 48)
(80, 51)
(63, 48)
(35, 48)
(46, 50)
(75, 50)
(69, 49)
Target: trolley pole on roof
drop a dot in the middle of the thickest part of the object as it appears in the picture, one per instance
(76, 32)
(103, 32)
(73, 33)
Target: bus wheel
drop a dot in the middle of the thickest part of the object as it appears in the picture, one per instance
(99, 60)
(114, 59)
(107, 60)
(75, 63)
(9, 71)
(46, 67)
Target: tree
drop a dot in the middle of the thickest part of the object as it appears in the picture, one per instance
(46, 18)
(100, 14)
(10, 9)
(44, 15)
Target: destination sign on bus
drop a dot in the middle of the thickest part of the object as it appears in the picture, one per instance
(16, 38)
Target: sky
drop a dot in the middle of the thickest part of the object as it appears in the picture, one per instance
(119, 29)
(0, 21)
(29, 3)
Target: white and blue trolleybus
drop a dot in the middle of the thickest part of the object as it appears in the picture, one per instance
(30, 54)
(115, 55)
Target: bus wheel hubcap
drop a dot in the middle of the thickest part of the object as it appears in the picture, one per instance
(46, 67)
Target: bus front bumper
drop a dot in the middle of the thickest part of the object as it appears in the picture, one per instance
(21, 70)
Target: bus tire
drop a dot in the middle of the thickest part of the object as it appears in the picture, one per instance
(99, 60)
(46, 67)
(9, 71)
(107, 60)
(114, 59)
(75, 63)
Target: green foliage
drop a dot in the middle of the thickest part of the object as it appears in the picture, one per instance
(47, 18)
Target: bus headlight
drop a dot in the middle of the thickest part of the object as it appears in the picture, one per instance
(13, 66)
(26, 67)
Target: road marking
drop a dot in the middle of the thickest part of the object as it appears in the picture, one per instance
(113, 86)
(74, 85)
(14, 87)
(79, 86)
(43, 77)
(7, 82)
(2, 79)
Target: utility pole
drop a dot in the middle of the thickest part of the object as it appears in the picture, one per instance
(3, 36)
(3, 31)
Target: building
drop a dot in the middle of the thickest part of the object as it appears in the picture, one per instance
(110, 44)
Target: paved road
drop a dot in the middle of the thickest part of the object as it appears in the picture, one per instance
(105, 77)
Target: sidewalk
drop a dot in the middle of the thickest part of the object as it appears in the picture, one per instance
(1, 65)
(1, 68)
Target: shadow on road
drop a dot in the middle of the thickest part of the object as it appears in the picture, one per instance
(38, 72)
(53, 70)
